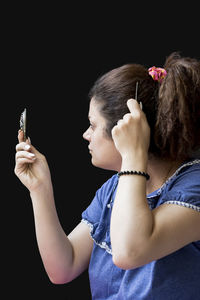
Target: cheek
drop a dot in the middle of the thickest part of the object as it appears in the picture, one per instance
(97, 146)
(96, 139)
(105, 155)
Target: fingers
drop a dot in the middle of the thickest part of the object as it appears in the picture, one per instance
(133, 106)
(28, 140)
(135, 111)
(25, 156)
(136, 115)
(20, 136)
(23, 146)
(24, 149)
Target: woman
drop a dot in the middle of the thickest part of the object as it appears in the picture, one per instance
(140, 236)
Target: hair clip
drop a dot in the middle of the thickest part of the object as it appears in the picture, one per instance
(136, 91)
(136, 95)
(158, 74)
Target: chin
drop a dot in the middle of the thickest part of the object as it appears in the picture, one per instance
(103, 166)
(95, 163)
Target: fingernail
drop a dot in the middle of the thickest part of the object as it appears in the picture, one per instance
(27, 147)
(31, 154)
(141, 106)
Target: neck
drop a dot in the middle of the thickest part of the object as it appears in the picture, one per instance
(160, 170)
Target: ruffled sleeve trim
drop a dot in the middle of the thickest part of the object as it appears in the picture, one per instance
(101, 244)
(185, 204)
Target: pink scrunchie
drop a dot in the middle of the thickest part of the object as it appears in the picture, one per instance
(158, 74)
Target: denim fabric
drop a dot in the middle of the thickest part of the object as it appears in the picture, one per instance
(173, 277)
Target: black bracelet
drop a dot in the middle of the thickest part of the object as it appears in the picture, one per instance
(134, 173)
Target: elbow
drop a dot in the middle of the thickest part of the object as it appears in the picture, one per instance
(59, 277)
(127, 260)
(124, 262)
(60, 273)
(58, 280)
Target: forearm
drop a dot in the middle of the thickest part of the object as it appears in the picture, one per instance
(54, 246)
(131, 219)
(59, 255)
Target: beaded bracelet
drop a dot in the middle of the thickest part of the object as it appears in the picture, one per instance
(134, 173)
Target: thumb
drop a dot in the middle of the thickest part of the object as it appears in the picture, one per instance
(20, 136)
(132, 105)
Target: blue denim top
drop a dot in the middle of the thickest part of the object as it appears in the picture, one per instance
(176, 276)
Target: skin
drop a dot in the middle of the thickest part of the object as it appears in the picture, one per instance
(161, 231)
(102, 149)
(156, 233)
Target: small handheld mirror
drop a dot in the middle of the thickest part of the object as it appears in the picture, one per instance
(23, 120)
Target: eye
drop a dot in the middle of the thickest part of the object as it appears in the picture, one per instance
(91, 125)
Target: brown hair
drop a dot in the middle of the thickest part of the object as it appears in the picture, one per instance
(172, 108)
(178, 117)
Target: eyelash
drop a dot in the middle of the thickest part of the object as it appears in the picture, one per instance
(92, 126)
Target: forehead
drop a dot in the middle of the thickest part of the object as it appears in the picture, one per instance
(95, 110)
(97, 118)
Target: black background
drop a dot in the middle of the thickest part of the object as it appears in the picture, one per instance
(50, 58)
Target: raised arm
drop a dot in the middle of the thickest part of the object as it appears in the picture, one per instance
(140, 235)
(64, 257)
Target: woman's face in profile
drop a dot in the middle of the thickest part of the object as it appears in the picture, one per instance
(101, 147)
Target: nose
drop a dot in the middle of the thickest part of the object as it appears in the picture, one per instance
(86, 135)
